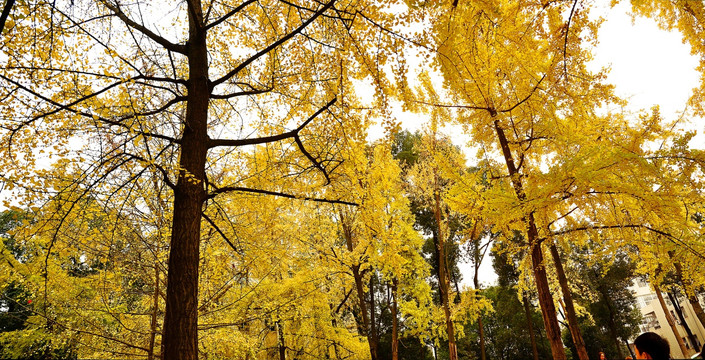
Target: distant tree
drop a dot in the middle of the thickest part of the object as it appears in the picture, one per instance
(604, 281)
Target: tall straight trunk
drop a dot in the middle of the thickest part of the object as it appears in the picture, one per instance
(688, 289)
(530, 323)
(395, 322)
(548, 309)
(679, 312)
(670, 321)
(631, 352)
(481, 330)
(155, 311)
(362, 303)
(280, 340)
(374, 334)
(568, 304)
(180, 338)
(444, 280)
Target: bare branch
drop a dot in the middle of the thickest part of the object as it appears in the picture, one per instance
(276, 193)
(181, 49)
(268, 139)
(229, 14)
(272, 46)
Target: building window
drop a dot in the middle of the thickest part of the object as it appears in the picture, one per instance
(685, 341)
(641, 282)
(649, 321)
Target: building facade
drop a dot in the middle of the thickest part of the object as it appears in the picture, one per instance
(654, 318)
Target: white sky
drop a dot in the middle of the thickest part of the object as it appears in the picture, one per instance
(649, 67)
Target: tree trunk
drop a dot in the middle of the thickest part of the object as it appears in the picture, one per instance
(679, 312)
(548, 309)
(374, 334)
(481, 330)
(569, 308)
(357, 276)
(687, 287)
(444, 280)
(395, 322)
(180, 339)
(530, 323)
(670, 321)
(280, 340)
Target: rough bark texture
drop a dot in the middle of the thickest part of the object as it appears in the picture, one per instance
(670, 321)
(569, 308)
(280, 337)
(548, 309)
(180, 338)
(527, 311)
(444, 280)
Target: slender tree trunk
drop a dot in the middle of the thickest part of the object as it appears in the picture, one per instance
(374, 334)
(687, 286)
(679, 312)
(362, 303)
(481, 329)
(569, 308)
(395, 322)
(548, 309)
(280, 340)
(155, 311)
(180, 339)
(670, 321)
(631, 352)
(444, 280)
(530, 323)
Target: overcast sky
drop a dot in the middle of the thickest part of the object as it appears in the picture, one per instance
(649, 67)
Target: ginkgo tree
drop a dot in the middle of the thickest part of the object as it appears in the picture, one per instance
(515, 77)
(123, 88)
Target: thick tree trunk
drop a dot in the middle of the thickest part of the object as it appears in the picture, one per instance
(180, 338)
(679, 312)
(548, 309)
(569, 308)
(530, 323)
(444, 281)
(395, 322)
(670, 321)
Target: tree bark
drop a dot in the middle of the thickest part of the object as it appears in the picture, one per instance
(670, 321)
(679, 312)
(180, 339)
(444, 280)
(530, 323)
(569, 308)
(548, 309)
(476, 283)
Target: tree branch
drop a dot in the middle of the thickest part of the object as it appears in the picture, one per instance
(181, 49)
(228, 15)
(273, 45)
(276, 193)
